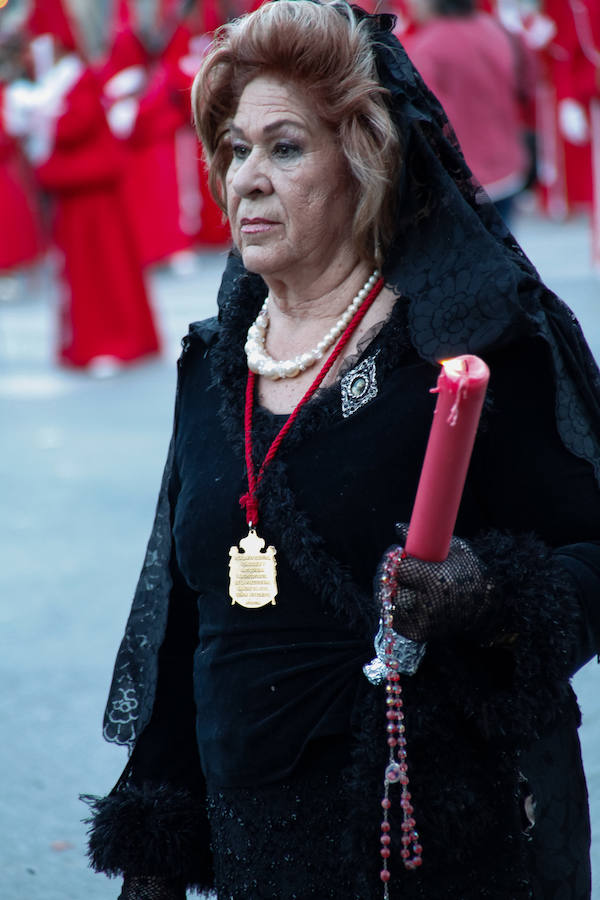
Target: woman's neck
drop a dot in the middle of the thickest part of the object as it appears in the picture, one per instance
(324, 296)
(298, 328)
(299, 317)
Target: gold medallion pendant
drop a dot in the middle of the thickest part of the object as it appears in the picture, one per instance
(252, 572)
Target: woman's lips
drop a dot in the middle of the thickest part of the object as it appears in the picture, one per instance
(256, 226)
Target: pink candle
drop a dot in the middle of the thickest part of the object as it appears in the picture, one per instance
(461, 388)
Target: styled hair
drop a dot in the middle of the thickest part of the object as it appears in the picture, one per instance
(322, 49)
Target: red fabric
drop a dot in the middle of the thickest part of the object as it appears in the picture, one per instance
(21, 234)
(211, 17)
(105, 310)
(50, 17)
(153, 195)
(551, 186)
(155, 182)
(572, 72)
(168, 11)
(470, 64)
(86, 153)
(585, 69)
(214, 228)
(123, 16)
(126, 50)
(166, 185)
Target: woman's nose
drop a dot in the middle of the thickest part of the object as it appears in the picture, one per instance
(251, 176)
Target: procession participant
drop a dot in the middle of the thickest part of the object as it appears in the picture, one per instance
(124, 77)
(105, 316)
(22, 238)
(176, 212)
(570, 93)
(365, 253)
(123, 74)
(585, 92)
(482, 78)
(162, 141)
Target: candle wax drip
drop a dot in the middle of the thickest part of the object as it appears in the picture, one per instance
(461, 388)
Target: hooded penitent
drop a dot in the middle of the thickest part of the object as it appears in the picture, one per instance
(51, 17)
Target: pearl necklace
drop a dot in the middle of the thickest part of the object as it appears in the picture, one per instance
(261, 363)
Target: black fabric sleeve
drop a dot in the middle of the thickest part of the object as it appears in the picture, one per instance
(154, 822)
(582, 562)
(166, 750)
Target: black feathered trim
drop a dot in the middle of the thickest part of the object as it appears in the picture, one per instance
(536, 632)
(464, 791)
(151, 831)
(470, 710)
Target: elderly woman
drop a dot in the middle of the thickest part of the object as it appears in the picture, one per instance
(258, 747)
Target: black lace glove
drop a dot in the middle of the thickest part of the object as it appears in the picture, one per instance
(151, 887)
(438, 599)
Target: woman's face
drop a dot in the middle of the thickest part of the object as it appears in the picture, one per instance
(289, 197)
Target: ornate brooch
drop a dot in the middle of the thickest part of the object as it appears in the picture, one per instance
(359, 386)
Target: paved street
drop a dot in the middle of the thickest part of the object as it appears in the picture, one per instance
(79, 471)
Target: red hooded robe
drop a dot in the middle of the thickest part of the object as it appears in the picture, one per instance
(105, 310)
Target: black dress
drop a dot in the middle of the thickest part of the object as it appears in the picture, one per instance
(258, 747)
(267, 711)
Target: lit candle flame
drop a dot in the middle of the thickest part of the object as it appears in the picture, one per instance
(457, 366)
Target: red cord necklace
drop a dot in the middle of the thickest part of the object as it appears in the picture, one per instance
(252, 569)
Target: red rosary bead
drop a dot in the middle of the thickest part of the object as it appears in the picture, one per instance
(397, 767)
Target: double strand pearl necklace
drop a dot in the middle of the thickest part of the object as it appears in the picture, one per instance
(261, 363)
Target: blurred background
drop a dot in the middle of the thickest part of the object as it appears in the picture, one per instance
(110, 244)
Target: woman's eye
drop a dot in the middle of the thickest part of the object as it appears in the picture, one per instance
(286, 150)
(240, 151)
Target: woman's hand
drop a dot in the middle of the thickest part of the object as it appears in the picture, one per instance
(437, 599)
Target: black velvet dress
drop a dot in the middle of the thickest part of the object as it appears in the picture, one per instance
(258, 747)
(265, 711)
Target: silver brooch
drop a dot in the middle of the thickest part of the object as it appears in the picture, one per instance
(359, 386)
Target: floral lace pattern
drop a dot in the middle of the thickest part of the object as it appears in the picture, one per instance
(469, 285)
(280, 842)
(136, 670)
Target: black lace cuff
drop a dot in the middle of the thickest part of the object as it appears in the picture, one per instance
(151, 887)
(151, 831)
